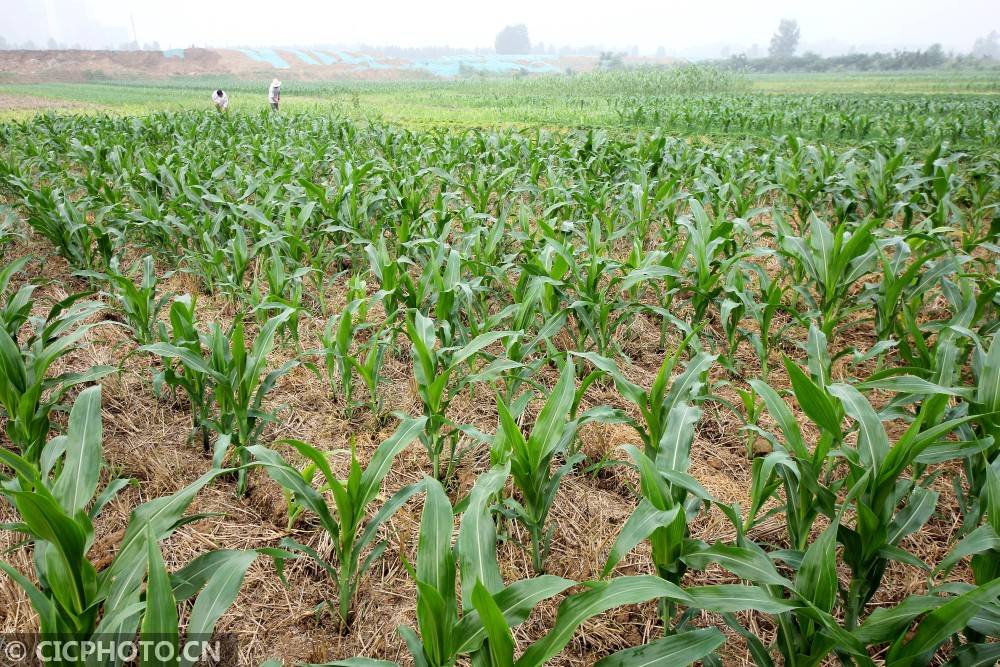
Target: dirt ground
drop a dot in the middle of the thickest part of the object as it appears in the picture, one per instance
(71, 65)
(28, 103)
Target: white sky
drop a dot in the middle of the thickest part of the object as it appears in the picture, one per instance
(679, 26)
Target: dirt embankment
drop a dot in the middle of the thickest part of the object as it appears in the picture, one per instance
(73, 65)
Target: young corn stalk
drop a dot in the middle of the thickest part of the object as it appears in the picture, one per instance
(238, 385)
(832, 261)
(531, 459)
(139, 304)
(451, 626)
(341, 362)
(439, 377)
(27, 394)
(345, 521)
(196, 383)
(56, 504)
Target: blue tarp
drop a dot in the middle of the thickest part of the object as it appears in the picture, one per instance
(304, 57)
(269, 56)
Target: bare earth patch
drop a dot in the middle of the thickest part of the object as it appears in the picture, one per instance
(28, 103)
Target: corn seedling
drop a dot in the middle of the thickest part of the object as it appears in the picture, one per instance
(27, 394)
(346, 521)
(56, 505)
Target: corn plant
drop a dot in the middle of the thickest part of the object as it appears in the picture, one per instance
(984, 408)
(833, 260)
(450, 625)
(531, 459)
(670, 496)
(805, 474)
(139, 305)
(84, 244)
(28, 394)
(238, 388)
(656, 404)
(196, 382)
(710, 249)
(345, 522)
(17, 306)
(285, 291)
(56, 505)
(438, 375)
(889, 506)
(342, 362)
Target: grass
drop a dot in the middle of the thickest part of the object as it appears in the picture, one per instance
(554, 102)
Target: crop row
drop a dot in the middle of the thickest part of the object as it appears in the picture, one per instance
(841, 303)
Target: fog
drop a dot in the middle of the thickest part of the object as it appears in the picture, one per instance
(708, 28)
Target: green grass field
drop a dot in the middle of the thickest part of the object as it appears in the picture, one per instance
(561, 102)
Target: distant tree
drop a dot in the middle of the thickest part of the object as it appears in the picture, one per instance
(934, 56)
(611, 60)
(3, 43)
(28, 46)
(661, 52)
(786, 40)
(52, 44)
(988, 46)
(513, 40)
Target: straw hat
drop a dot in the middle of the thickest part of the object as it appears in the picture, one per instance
(275, 82)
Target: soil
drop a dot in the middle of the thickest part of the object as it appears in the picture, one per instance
(72, 65)
(24, 102)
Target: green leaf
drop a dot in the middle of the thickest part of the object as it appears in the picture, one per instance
(551, 422)
(477, 536)
(674, 448)
(678, 650)
(378, 467)
(938, 626)
(725, 598)
(78, 479)
(781, 413)
(976, 655)
(911, 518)
(873, 443)
(500, 643)
(813, 400)
(640, 525)
(159, 622)
(601, 597)
(816, 580)
(980, 540)
(515, 601)
(435, 560)
(745, 563)
(884, 623)
(218, 595)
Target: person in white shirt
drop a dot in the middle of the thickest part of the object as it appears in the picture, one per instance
(221, 100)
(274, 94)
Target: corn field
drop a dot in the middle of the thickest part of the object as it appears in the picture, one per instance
(380, 377)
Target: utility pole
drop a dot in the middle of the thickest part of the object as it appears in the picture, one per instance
(135, 37)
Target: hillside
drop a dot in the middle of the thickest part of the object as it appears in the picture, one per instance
(313, 65)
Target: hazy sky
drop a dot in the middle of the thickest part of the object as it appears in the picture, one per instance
(681, 27)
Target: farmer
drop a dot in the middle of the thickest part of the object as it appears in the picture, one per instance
(221, 100)
(274, 94)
